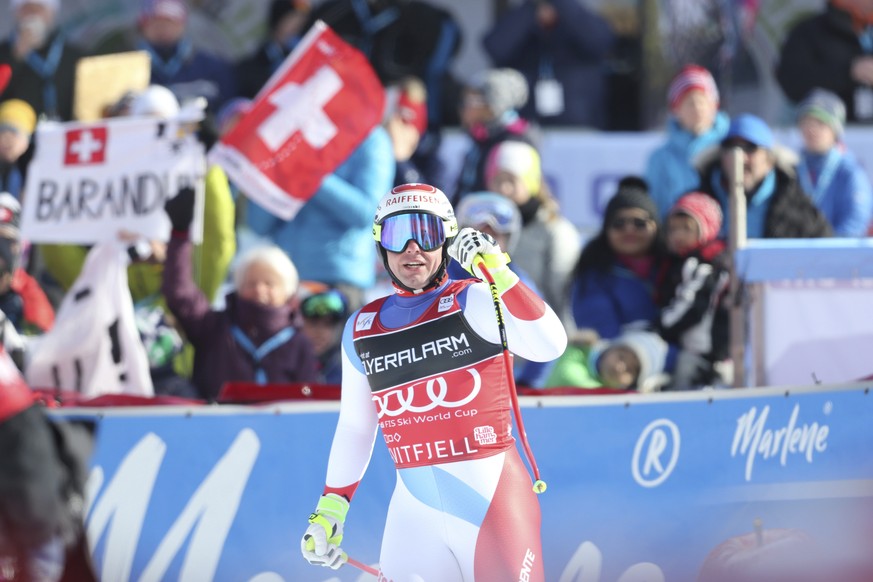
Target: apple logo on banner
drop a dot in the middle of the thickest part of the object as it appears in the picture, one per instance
(656, 453)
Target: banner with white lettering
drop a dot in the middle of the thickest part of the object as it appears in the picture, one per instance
(89, 181)
(703, 486)
(315, 109)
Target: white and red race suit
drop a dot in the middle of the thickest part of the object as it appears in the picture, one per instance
(427, 369)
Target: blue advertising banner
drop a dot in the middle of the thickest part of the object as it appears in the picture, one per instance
(641, 488)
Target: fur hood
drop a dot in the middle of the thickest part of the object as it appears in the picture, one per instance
(786, 159)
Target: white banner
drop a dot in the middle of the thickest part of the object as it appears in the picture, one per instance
(88, 182)
(94, 347)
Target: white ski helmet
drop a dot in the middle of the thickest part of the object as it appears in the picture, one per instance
(416, 199)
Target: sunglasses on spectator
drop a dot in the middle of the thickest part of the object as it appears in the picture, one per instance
(327, 304)
(636, 222)
(396, 231)
(747, 146)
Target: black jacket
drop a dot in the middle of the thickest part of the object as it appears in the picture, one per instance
(791, 213)
(818, 52)
(28, 85)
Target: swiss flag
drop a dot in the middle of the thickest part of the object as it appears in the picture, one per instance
(311, 114)
(85, 146)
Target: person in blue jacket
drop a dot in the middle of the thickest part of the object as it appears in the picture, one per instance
(828, 172)
(695, 125)
(330, 238)
(615, 283)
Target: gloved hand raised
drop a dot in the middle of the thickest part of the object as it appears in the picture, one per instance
(321, 542)
(471, 247)
(180, 209)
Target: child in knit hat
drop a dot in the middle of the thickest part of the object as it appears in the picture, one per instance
(829, 174)
(635, 360)
(695, 124)
(696, 316)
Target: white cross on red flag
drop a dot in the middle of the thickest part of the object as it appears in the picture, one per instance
(312, 113)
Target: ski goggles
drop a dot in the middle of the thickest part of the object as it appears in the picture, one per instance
(396, 231)
(498, 217)
(325, 304)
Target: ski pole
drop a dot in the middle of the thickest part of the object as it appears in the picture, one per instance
(539, 485)
(362, 566)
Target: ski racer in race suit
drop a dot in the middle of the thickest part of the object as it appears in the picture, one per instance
(425, 365)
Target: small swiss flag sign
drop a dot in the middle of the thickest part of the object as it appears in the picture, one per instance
(85, 146)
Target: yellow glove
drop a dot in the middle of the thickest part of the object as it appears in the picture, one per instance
(472, 248)
(321, 542)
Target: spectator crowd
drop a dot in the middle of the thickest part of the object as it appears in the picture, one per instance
(262, 300)
(264, 295)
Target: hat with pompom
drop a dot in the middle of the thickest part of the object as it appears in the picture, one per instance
(705, 211)
(503, 89)
(692, 78)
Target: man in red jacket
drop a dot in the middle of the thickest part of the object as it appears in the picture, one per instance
(22, 299)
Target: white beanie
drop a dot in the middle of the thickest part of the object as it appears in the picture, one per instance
(651, 350)
(155, 101)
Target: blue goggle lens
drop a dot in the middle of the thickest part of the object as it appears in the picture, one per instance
(425, 229)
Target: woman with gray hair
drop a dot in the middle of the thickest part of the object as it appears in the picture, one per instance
(256, 337)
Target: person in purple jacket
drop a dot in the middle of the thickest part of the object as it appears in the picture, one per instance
(256, 337)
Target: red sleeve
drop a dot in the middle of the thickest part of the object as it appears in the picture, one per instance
(348, 491)
(38, 310)
(15, 396)
(523, 303)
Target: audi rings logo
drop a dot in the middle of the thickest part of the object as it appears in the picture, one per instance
(656, 453)
(396, 402)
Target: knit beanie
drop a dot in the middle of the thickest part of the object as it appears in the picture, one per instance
(502, 89)
(630, 195)
(519, 159)
(18, 115)
(691, 77)
(705, 211)
(825, 106)
(155, 101)
(279, 9)
(172, 9)
(651, 351)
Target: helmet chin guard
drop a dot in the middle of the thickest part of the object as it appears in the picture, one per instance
(416, 198)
